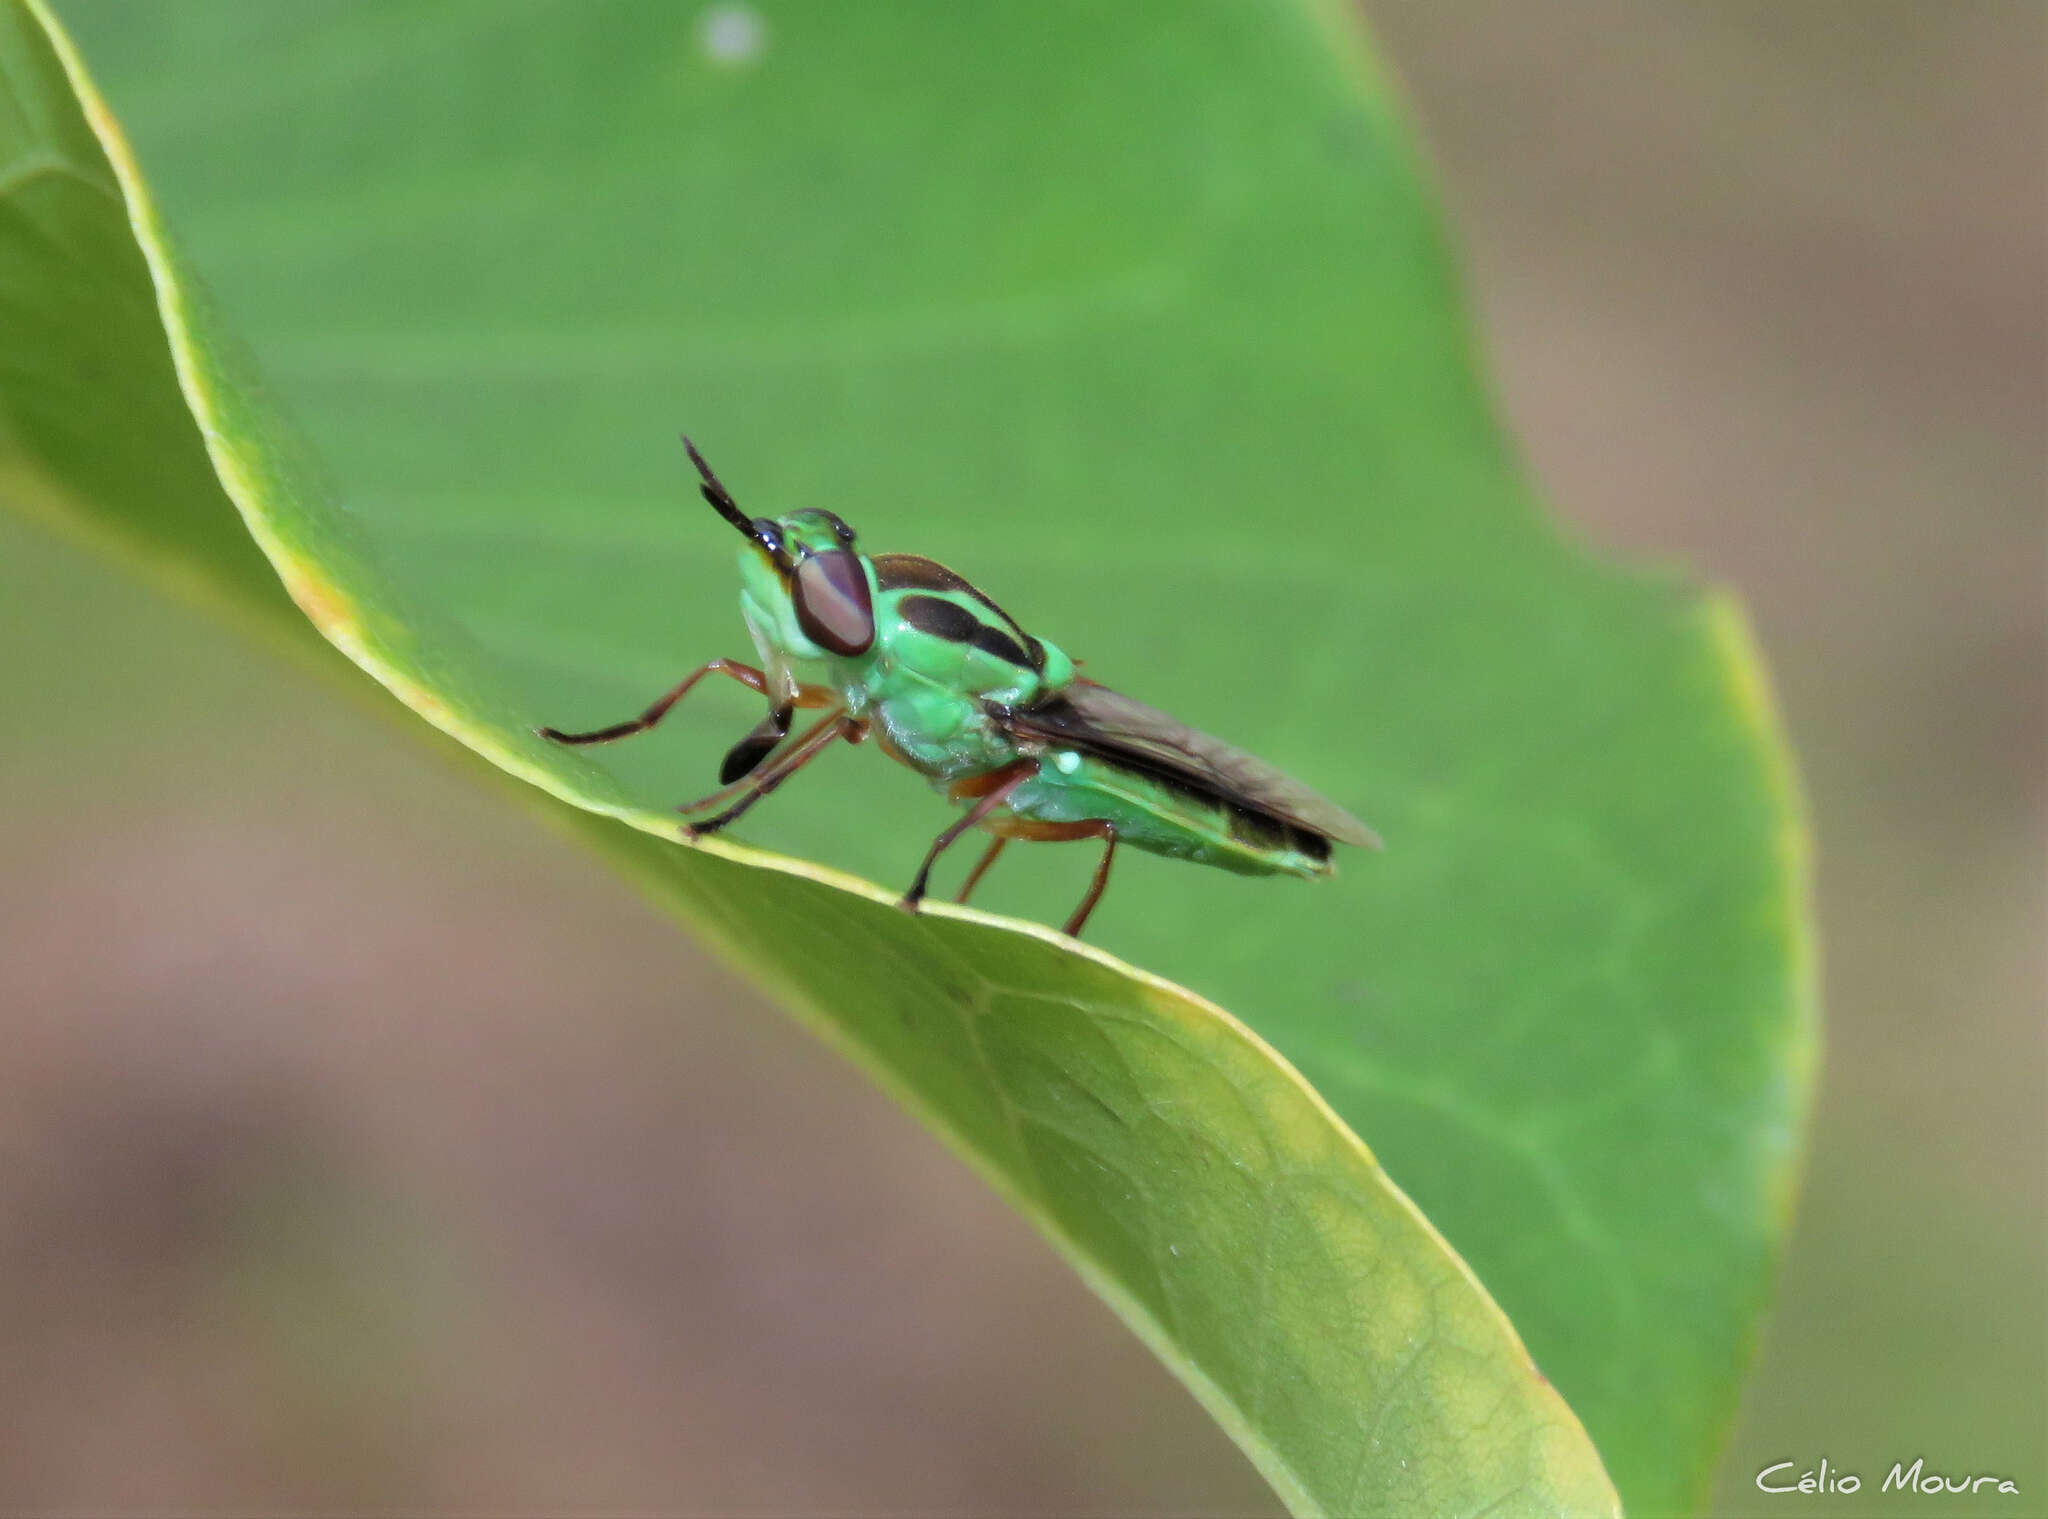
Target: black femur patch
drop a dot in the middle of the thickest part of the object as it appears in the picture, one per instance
(951, 621)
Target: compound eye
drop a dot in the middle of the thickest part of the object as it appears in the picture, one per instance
(842, 532)
(832, 603)
(768, 535)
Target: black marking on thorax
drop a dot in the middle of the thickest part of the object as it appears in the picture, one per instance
(956, 624)
(914, 572)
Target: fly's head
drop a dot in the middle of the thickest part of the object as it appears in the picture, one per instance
(803, 583)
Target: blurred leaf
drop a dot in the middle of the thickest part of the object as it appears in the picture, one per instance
(1135, 314)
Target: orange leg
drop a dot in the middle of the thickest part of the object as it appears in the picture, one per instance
(746, 675)
(974, 876)
(1107, 833)
(1089, 828)
(813, 743)
(992, 790)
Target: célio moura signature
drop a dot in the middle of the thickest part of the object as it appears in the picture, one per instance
(1787, 1477)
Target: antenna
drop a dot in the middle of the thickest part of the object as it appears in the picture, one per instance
(716, 493)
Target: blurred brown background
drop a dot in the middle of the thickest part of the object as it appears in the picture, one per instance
(362, 1146)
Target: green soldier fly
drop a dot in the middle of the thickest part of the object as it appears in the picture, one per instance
(950, 685)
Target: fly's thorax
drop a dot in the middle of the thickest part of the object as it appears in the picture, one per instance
(931, 717)
(943, 734)
(1057, 671)
(949, 659)
(954, 642)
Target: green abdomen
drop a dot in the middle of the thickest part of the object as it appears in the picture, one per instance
(1168, 818)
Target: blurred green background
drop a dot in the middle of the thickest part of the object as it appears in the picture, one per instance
(495, 1220)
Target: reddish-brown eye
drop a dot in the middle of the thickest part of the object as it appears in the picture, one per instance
(832, 603)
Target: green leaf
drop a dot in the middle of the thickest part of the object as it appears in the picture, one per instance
(1137, 315)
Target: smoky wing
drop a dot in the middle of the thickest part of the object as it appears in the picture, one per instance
(1093, 718)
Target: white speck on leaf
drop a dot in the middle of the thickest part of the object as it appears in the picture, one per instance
(734, 35)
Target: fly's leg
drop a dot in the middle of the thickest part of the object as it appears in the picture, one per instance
(745, 757)
(1107, 833)
(746, 675)
(994, 788)
(1087, 828)
(974, 876)
(807, 748)
(797, 753)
